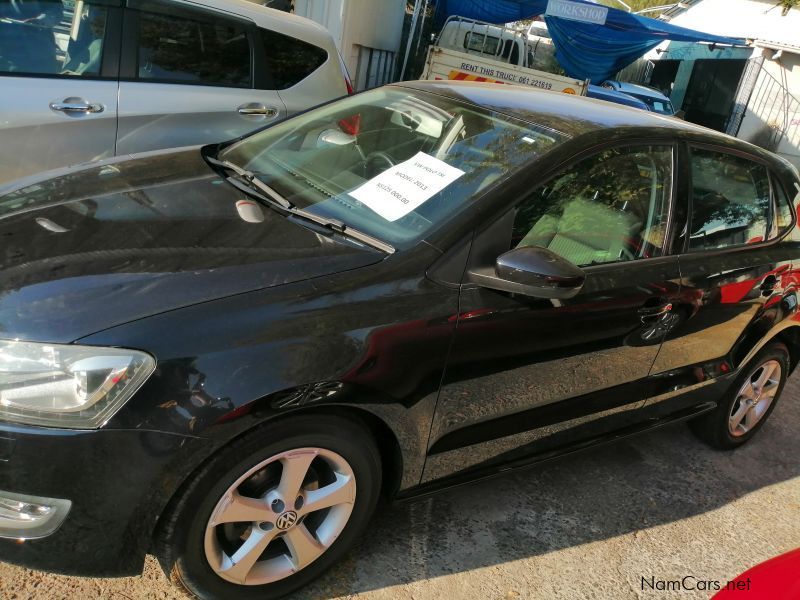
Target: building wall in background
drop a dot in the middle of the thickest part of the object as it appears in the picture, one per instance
(755, 19)
(766, 109)
(367, 33)
(772, 118)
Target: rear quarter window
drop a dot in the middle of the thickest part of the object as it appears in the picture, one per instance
(786, 208)
(290, 60)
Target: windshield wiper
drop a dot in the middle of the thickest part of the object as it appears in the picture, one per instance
(342, 228)
(250, 181)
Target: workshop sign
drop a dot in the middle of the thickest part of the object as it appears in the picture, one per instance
(577, 11)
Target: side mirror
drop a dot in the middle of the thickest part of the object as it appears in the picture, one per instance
(532, 271)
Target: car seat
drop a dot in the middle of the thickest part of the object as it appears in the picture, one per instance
(601, 214)
(587, 232)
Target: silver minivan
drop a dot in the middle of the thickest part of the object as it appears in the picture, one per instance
(86, 80)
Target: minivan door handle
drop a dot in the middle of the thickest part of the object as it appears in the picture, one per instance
(77, 105)
(256, 109)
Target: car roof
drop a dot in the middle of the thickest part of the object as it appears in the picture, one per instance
(642, 90)
(570, 114)
(277, 20)
(601, 93)
(573, 115)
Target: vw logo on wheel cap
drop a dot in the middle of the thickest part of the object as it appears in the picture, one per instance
(286, 520)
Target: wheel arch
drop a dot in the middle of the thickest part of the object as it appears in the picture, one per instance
(385, 440)
(791, 339)
(788, 336)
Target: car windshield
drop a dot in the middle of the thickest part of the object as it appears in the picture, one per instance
(663, 107)
(394, 163)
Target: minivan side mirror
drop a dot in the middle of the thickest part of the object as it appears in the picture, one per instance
(531, 271)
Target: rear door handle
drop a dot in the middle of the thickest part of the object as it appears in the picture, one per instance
(769, 285)
(77, 105)
(653, 313)
(256, 109)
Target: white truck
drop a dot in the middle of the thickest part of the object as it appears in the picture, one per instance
(471, 50)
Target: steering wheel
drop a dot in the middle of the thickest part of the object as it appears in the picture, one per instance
(376, 163)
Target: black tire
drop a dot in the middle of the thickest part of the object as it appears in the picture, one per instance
(180, 540)
(713, 429)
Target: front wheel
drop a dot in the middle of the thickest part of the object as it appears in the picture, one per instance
(749, 403)
(274, 510)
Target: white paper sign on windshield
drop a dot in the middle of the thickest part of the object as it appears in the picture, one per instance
(402, 188)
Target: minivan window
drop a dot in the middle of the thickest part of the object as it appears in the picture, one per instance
(192, 51)
(731, 201)
(392, 162)
(611, 207)
(51, 38)
(290, 60)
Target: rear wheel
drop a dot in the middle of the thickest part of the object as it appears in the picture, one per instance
(274, 510)
(750, 401)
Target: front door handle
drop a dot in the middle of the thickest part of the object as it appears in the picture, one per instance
(257, 109)
(77, 106)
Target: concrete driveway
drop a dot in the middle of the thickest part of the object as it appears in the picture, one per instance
(591, 526)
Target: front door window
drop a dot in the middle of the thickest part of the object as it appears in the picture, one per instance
(611, 207)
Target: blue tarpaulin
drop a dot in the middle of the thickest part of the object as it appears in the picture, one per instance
(585, 50)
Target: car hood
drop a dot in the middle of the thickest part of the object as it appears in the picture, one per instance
(117, 241)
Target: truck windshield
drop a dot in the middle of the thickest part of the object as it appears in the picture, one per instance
(393, 162)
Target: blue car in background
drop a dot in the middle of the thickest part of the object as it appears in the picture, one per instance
(655, 100)
(602, 93)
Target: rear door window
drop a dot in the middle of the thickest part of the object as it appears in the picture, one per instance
(290, 60)
(52, 38)
(190, 49)
(731, 201)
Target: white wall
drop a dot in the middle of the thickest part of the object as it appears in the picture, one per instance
(755, 19)
(761, 22)
(357, 25)
(770, 106)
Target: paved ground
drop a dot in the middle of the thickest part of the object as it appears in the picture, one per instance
(661, 505)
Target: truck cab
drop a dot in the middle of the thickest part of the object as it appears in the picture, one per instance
(532, 48)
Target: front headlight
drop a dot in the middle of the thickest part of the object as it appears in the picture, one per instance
(78, 387)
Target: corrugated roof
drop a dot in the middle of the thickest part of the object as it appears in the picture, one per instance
(793, 48)
(678, 9)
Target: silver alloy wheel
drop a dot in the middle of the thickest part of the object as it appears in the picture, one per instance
(280, 516)
(755, 398)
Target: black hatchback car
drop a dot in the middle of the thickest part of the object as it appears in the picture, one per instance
(224, 355)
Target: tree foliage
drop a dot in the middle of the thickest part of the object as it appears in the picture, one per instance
(789, 4)
(637, 5)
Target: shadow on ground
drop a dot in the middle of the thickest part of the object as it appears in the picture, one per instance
(654, 479)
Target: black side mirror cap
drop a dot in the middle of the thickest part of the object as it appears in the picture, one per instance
(531, 271)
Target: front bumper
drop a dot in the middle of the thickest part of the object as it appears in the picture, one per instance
(117, 481)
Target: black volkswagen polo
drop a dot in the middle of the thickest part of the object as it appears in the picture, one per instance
(225, 355)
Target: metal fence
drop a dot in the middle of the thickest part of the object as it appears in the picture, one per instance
(778, 110)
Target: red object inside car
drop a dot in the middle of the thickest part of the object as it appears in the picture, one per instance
(351, 125)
